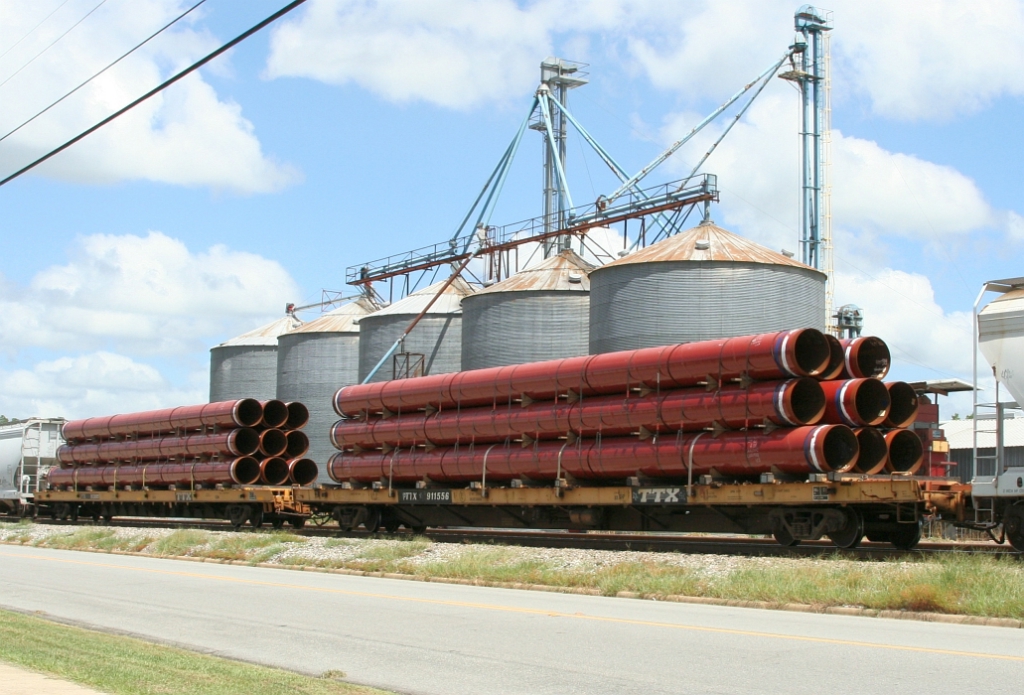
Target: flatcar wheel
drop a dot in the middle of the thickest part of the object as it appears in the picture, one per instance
(784, 538)
(852, 534)
(297, 522)
(1013, 526)
(372, 521)
(277, 523)
(906, 536)
(419, 530)
(256, 517)
(74, 513)
(391, 526)
(237, 515)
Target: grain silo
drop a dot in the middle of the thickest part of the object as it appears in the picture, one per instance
(541, 313)
(246, 366)
(701, 284)
(433, 347)
(314, 361)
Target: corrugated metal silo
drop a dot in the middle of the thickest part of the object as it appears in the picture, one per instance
(246, 366)
(314, 361)
(437, 338)
(701, 284)
(541, 313)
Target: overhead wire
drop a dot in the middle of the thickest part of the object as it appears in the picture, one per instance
(53, 43)
(156, 90)
(122, 57)
(32, 30)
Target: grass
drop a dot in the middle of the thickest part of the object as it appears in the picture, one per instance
(979, 585)
(127, 666)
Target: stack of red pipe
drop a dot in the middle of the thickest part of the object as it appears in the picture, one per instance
(240, 442)
(780, 403)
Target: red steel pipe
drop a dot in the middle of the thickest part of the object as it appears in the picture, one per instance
(275, 413)
(298, 416)
(874, 452)
(788, 403)
(302, 471)
(799, 450)
(243, 441)
(245, 412)
(836, 360)
(244, 470)
(771, 356)
(903, 410)
(865, 357)
(273, 471)
(273, 442)
(906, 452)
(297, 444)
(855, 402)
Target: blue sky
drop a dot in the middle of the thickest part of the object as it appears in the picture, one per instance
(351, 130)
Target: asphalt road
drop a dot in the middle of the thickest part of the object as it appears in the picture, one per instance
(415, 637)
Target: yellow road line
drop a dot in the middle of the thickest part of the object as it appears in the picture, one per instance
(528, 611)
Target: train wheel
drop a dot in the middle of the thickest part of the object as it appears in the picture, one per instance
(784, 538)
(297, 522)
(256, 517)
(237, 515)
(419, 530)
(906, 536)
(1013, 526)
(372, 521)
(277, 523)
(74, 513)
(852, 534)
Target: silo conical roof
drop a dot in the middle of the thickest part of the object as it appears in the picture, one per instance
(708, 242)
(264, 335)
(448, 303)
(344, 319)
(553, 274)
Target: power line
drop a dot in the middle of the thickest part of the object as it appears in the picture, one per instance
(125, 55)
(30, 31)
(53, 42)
(156, 90)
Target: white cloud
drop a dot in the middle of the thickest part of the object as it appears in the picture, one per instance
(86, 385)
(184, 136)
(456, 53)
(149, 295)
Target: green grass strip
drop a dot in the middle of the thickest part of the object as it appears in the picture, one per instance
(127, 666)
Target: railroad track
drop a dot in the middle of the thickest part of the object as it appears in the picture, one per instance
(643, 542)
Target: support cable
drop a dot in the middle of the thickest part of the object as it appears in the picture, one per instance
(30, 31)
(156, 90)
(123, 56)
(52, 43)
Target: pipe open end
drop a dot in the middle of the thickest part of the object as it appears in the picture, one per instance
(245, 441)
(804, 401)
(868, 357)
(298, 415)
(906, 452)
(275, 413)
(836, 359)
(247, 412)
(871, 401)
(245, 470)
(274, 471)
(903, 408)
(809, 352)
(273, 442)
(334, 467)
(302, 471)
(297, 444)
(839, 448)
(874, 451)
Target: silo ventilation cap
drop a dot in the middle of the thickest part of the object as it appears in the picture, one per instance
(702, 244)
(575, 278)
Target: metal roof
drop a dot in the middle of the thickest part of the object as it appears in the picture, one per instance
(344, 319)
(1005, 304)
(552, 274)
(448, 303)
(265, 335)
(708, 242)
(942, 387)
(960, 433)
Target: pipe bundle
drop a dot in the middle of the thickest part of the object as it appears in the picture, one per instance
(239, 442)
(794, 402)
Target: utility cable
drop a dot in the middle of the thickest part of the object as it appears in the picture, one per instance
(52, 43)
(30, 31)
(159, 88)
(123, 56)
